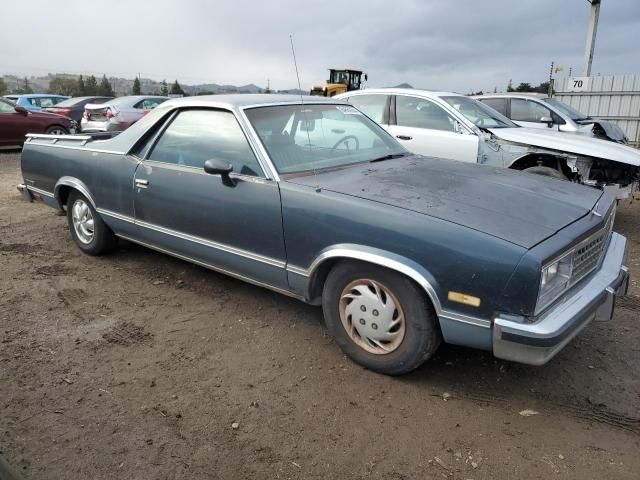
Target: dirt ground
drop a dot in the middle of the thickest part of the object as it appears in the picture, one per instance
(140, 366)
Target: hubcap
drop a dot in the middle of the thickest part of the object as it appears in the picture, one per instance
(82, 221)
(57, 131)
(372, 316)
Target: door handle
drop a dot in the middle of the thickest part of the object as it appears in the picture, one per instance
(404, 137)
(141, 183)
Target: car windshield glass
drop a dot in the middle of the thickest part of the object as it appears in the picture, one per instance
(478, 113)
(568, 110)
(303, 138)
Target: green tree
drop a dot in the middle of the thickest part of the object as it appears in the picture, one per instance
(542, 88)
(510, 86)
(25, 88)
(81, 89)
(164, 89)
(63, 85)
(524, 87)
(3, 86)
(105, 89)
(136, 87)
(176, 89)
(91, 86)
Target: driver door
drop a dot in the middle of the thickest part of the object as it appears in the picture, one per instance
(426, 128)
(527, 113)
(230, 223)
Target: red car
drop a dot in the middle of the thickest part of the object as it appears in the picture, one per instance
(16, 122)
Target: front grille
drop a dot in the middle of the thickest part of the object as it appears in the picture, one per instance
(587, 254)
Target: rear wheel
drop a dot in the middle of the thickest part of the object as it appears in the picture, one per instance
(546, 171)
(379, 318)
(88, 230)
(57, 130)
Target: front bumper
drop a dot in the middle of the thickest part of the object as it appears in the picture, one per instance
(535, 343)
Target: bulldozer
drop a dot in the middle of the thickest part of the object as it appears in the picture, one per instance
(340, 80)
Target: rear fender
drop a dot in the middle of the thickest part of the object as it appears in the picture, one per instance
(65, 183)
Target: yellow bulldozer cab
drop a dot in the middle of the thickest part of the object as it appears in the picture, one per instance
(340, 80)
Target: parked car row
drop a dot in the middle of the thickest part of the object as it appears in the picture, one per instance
(314, 199)
(56, 114)
(457, 127)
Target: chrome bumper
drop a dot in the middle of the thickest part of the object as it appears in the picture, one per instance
(535, 343)
(26, 194)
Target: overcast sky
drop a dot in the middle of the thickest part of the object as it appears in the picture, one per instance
(454, 45)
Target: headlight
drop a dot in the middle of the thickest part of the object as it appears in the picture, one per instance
(554, 279)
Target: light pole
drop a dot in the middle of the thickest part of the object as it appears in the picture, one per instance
(591, 36)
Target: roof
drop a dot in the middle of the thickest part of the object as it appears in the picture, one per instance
(513, 95)
(241, 100)
(402, 91)
(347, 69)
(36, 95)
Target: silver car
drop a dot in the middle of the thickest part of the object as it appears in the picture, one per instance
(118, 114)
(536, 110)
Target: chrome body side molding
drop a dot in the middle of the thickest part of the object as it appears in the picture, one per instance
(213, 267)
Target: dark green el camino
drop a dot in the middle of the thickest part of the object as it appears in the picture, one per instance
(311, 198)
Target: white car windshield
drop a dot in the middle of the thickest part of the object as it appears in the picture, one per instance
(303, 137)
(568, 110)
(478, 113)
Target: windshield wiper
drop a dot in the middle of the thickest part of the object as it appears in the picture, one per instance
(389, 156)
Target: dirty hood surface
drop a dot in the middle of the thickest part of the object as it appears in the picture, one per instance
(520, 208)
(570, 142)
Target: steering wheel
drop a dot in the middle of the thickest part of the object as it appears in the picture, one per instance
(344, 139)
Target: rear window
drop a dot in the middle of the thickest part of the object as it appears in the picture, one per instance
(498, 104)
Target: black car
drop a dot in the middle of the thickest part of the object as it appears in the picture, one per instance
(74, 107)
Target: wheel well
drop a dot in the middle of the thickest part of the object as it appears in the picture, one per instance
(319, 277)
(542, 159)
(63, 195)
(57, 125)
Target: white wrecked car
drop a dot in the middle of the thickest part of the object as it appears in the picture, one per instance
(453, 126)
(535, 110)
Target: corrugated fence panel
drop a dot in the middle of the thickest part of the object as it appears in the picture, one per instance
(612, 97)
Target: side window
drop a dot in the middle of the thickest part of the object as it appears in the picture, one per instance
(195, 136)
(420, 113)
(527, 111)
(6, 107)
(47, 102)
(373, 105)
(498, 104)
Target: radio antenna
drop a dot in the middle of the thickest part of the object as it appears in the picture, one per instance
(295, 63)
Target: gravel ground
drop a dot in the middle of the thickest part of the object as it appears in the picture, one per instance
(137, 365)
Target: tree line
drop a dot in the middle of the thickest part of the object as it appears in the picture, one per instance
(85, 87)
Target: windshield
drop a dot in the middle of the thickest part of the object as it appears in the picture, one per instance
(568, 110)
(303, 138)
(478, 113)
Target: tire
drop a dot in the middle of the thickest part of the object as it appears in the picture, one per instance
(57, 130)
(93, 238)
(352, 286)
(547, 172)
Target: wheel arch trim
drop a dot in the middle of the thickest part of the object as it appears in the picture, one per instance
(75, 184)
(379, 257)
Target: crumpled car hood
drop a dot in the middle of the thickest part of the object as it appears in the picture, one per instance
(520, 208)
(568, 142)
(610, 129)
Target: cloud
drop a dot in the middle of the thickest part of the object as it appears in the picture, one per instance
(444, 44)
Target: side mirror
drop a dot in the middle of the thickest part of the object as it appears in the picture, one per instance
(21, 110)
(547, 120)
(218, 167)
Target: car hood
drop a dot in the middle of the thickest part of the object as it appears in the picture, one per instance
(610, 129)
(520, 208)
(48, 116)
(567, 142)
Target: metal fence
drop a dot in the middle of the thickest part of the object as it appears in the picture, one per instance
(614, 97)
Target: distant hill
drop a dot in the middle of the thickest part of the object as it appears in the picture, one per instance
(403, 85)
(124, 86)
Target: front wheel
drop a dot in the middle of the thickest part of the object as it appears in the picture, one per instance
(380, 318)
(88, 230)
(57, 130)
(547, 172)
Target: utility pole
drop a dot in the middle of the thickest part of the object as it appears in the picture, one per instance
(591, 36)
